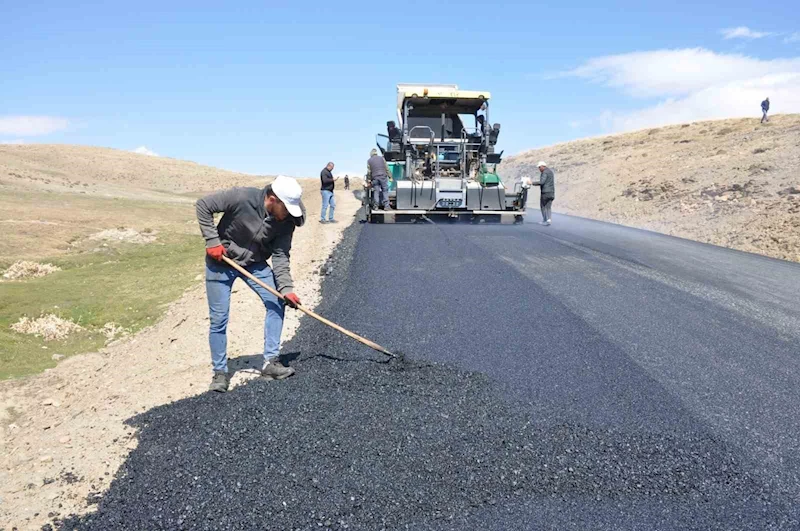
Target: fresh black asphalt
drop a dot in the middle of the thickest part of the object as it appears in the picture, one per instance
(578, 376)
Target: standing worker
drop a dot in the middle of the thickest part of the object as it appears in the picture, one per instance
(346, 182)
(378, 173)
(326, 189)
(547, 182)
(765, 110)
(481, 118)
(257, 223)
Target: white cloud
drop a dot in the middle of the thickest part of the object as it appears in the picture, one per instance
(794, 37)
(743, 32)
(676, 72)
(31, 125)
(692, 84)
(142, 150)
(17, 141)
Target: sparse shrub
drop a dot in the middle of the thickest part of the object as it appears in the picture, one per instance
(50, 327)
(25, 269)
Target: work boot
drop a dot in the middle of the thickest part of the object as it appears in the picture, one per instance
(275, 370)
(219, 382)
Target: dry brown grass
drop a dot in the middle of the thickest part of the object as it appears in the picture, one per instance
(126, 235)
(110, 172)
(26, 269)
(50, 327)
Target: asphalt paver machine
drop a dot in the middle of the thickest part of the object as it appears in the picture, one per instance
(440, 150)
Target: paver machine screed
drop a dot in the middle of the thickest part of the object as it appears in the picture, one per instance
(440, 150)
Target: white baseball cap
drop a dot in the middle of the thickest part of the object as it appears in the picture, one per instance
(288, 191)
(541, 163)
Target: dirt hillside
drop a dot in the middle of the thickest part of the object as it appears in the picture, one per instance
(108, 172)
(734, 183)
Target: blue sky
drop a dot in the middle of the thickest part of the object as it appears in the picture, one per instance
(284, 87)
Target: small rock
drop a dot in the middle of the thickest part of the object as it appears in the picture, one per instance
(57, 357)
(46, 459)
(65, 439)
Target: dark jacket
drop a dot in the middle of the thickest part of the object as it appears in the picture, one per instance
(377, 167)
(247, 232)
(765, 105)
(326, 178)
(548, 183)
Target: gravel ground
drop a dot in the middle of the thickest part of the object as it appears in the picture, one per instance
(353, 442)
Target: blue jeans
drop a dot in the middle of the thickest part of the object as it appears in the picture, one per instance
(219, 281)
(327, 200)
(380, 192)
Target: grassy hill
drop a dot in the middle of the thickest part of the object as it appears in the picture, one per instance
(120, 227)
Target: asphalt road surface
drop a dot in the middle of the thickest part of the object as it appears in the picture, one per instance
(577, 376)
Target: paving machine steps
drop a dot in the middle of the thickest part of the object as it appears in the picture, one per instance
(308, 312)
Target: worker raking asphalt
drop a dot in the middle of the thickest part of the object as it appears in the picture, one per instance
(356, 441)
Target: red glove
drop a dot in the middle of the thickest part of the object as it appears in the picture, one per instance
(292, 299)
(216, 252)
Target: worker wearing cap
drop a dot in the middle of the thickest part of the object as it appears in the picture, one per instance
(378, 173)
(257, 224)
(547, 182)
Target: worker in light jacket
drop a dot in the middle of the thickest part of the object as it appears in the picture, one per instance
(547, 184)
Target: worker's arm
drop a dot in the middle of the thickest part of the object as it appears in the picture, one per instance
(223, 201)
(369, 171)
(280, 263)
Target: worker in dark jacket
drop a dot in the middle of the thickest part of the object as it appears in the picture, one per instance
(327, 182)
(547, 182)
(378, 174)
(765, 110)
(257, 224)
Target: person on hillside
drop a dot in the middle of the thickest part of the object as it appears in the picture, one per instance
(378, 174)
(257, 224)
(547, 184)
(346, 182)
(327, 182)
(765, 110)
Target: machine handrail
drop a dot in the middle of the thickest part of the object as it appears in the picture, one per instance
(433, 135)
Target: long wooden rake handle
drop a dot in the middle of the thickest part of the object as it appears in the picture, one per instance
(308, 312)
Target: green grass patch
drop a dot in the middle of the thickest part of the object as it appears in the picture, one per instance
(130, 285)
